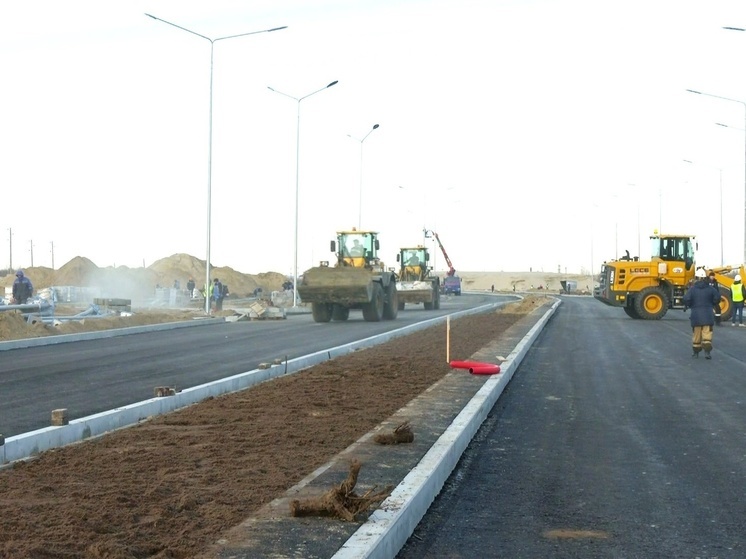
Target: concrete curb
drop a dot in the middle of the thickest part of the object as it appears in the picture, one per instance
(389, 527)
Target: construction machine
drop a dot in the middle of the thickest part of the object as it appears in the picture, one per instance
(358, 280)
(451, 283)
(646, 290)
(415, 283)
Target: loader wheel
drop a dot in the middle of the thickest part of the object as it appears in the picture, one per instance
(373, 311)
(631, 312)
(340, 312)
(651, 303)
(726, 305)
(391, 305)
(322, 312)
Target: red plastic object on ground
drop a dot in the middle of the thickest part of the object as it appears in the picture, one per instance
(484, 369)
(465, 364)
(476, 367)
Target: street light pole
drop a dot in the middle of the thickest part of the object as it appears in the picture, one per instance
(209, 155)
(360, 196)
(720, 172)
(744, 159)
(297, 166)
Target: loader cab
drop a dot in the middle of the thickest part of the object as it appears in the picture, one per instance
(417, 256)
(356, 248)
(413, 263)
(673, 248)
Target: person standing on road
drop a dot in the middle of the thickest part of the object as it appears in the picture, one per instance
(22, 288)
(714, 283)
(738, 294)
(701, 298)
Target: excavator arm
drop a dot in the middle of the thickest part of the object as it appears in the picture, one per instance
(451, 271)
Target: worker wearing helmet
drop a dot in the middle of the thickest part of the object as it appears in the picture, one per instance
(700, 298)
(22, 288)
(738, 294)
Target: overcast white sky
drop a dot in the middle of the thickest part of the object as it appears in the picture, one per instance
(527, 133)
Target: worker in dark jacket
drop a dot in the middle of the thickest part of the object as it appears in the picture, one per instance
(22, 288)
(701, 298)
(714, 283)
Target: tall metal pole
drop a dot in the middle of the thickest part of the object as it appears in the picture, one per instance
(209, 153)
(10, 238)
(744, 146)
(360, 194)
(722, 260)
(297, 167)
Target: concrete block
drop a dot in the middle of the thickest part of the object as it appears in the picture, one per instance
(59, 417)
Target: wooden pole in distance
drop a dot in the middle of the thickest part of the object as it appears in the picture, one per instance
(448, 339)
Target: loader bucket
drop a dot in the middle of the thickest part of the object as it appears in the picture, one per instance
(415, 291)
(343, 285)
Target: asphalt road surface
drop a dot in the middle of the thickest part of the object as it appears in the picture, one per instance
(610, 441)
(88, 377)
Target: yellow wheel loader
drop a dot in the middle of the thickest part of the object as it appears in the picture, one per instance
(358, 280)
(648, 289)
(415, 283)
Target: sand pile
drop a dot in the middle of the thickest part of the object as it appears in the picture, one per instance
(140, 283)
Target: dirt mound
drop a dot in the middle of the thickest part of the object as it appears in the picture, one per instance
(140, 283)
(14, 327)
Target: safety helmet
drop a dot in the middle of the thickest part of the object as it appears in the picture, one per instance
(737, 278)
(700, 273)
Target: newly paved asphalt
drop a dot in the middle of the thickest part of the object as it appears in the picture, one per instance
(610, 441)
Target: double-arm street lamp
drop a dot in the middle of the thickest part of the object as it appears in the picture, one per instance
(744, 159)
(297, 165)
(720, 171)
(209, 155)
(360, 196)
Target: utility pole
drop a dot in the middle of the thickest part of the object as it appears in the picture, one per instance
(10, 238)
(32, 253)
(52, 245)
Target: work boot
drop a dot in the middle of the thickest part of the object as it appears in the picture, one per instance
(707, 355)
(695, 354)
